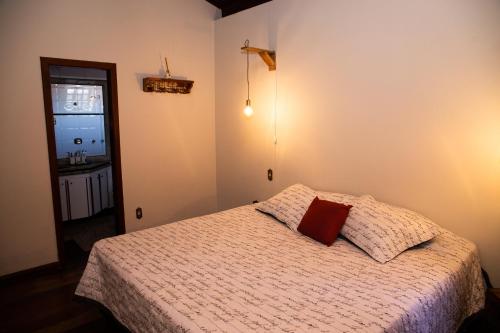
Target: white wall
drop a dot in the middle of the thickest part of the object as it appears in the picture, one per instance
(399, 99)
(167, 141)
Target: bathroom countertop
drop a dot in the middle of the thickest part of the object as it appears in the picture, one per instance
(76, 169)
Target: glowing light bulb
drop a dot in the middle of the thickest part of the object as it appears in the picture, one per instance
(248, 111)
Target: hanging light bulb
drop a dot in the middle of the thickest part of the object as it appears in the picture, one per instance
(248, 111)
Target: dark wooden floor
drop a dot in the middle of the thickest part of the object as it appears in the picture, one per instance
(486, 320)
(44, 302)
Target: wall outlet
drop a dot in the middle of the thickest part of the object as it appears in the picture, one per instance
(138, 213)
(270, 175)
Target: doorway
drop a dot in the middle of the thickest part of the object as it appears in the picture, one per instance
(81, 114)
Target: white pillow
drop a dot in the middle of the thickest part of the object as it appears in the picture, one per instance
(384, 231)
(290, 205)
(345, 199)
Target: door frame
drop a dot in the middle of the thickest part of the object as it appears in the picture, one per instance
(114, 134)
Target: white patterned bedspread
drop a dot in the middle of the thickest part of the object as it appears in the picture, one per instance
(242, 271)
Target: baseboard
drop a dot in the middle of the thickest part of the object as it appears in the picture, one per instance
(50, 267)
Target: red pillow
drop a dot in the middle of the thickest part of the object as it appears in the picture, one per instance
(323, 220)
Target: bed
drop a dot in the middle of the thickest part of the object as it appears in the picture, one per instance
(243, 271)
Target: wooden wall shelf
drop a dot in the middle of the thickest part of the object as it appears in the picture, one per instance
(268, 56)
(163, 85)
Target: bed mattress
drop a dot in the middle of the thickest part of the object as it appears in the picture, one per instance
(242, 271)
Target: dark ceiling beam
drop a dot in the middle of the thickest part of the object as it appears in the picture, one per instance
(217, 3)
(229, 7)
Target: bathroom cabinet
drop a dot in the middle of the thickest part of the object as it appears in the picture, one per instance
(100, 197)
(85, 194)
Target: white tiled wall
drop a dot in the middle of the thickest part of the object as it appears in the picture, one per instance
(90, 128)
(78, 113)
(70, 98)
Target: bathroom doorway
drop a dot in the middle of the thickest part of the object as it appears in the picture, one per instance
(81, 113)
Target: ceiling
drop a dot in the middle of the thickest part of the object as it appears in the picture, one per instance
(229, 7)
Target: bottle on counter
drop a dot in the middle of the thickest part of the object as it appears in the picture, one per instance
(71, 158)
(83, 157)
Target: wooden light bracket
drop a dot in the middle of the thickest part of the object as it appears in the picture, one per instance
(268, 56)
